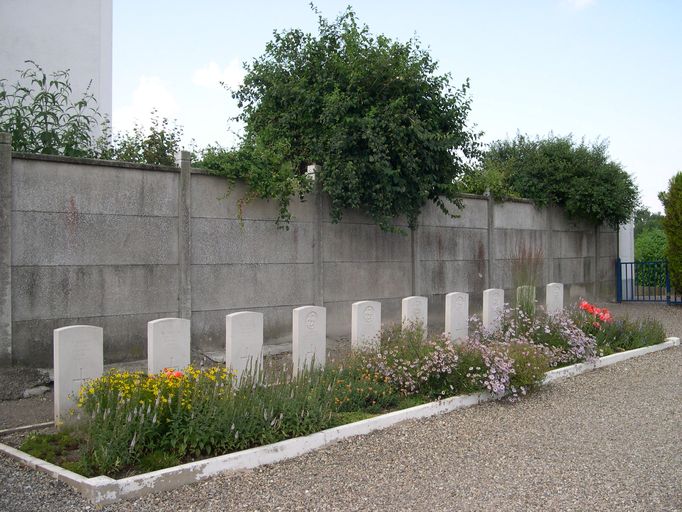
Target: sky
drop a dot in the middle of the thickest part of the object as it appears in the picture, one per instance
(596, 69)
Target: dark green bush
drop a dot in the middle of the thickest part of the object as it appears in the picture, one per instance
(579, 177)
(389, 133)
(650, 246)
(672, 224)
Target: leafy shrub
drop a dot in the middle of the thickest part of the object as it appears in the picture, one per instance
(389, 133)
(615, 335)
(157, 145)
(645, 220)
(672, 224)
(651, 245)
(39, 112)
(579, 177)
(195, 413)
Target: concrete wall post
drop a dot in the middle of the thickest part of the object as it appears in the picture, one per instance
(185, 237)
(415, 253)
(490, 274)
(5, 249)
(318, 264)
(549, 251)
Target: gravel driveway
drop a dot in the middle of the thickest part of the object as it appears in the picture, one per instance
(607, 440)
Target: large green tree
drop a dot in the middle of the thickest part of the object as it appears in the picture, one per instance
(389, 132)
(672, 224)
(646, 220)
(578, 176)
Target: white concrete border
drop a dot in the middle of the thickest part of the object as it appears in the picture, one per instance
(103, 490)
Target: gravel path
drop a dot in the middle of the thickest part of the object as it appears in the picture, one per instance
(570, 446)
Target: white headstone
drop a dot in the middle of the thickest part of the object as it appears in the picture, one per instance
(78, 357)
(168, 344)
(244, 341)
(309, 337)
(415, 310)
(493, 307)
(554, 298)
(365, 324)
(457, 315)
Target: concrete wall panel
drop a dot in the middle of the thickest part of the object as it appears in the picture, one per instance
(246, 286)
(65, 239)
(443, 276)
(452, 244)
(513, 215)
(573, 270)
(215, 197)
(355, 281)
(45, 186)
(573, 244)
(608, 244)
(229, 241)
(473, 215)
(363, 242)
(70, 292)
(509, 244)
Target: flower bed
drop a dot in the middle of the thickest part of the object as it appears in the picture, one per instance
(132, 422)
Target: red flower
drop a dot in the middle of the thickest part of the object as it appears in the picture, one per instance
(587, 307)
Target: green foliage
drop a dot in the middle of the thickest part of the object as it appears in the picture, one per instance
(389, 133)
(157, 145)
(651, 246)
(672, 224)
(267, 174)
(645, 220)
(158, 459)
(58, 448)
(579, 177)
(622, 334)
(39, 112)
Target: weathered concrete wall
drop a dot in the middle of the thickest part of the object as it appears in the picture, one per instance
(91, 244)
(102, 244)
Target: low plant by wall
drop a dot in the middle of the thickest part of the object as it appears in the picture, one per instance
(133, 422)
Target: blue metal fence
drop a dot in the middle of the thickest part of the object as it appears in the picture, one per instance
(645, 281)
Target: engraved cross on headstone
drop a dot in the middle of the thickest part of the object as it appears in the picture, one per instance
(77, 383)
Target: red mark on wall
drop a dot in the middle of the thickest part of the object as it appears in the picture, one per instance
(72, 217)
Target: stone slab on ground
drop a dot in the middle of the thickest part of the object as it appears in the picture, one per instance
(16, 380)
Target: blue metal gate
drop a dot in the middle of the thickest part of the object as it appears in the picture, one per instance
(646, 281)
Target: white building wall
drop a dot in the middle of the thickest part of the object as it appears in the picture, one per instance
(626, 241)
(626, 253)
(58, 35)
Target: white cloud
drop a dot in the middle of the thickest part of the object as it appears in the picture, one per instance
(212, 75)
(151, 93)
(580, 4)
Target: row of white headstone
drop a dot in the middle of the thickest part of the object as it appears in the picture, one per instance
(79, 349)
